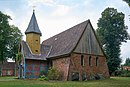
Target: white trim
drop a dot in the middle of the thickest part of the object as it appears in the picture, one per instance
(31, 50)
(49, 52)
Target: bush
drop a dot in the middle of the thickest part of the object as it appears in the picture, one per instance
(43, 78)
(0, 72)
(43, 73)
(122, 73)
(75, 76)
(84, 78)
(53, 74)
(125, 73)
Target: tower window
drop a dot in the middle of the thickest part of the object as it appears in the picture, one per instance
(96, 61)
(36, 41)
(36, 50)
(90, 61)
(82, 60)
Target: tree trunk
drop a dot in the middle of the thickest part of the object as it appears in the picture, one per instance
(2, 62)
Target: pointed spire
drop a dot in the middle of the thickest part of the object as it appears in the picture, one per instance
(33, 26)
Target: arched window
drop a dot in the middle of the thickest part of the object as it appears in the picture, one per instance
(96, 61)
(82, 60)
(90, 61)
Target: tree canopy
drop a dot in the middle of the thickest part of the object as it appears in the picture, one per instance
(127, 62)
(128, 2)
(112, 32)
(10, 38)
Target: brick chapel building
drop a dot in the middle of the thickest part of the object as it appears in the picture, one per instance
(74, 52)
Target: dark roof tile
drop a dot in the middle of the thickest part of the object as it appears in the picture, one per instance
(33, 26)
(66, 41)
(29, 55)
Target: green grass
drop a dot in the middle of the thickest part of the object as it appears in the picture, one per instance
(112, 82)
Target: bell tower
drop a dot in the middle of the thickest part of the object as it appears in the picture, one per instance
(33, 34)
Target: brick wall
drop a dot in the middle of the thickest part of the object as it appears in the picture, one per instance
(72, 64)
(62, 64)
(8, 69)
(8, 72)
(90, 71)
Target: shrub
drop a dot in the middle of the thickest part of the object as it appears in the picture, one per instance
(75, 76)
(43, 73)
(122, 73)
(125, 73)
(0, 72)
(97, 77)
(53, 74)
(43, 78)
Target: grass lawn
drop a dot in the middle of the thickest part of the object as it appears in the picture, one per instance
(112, 82)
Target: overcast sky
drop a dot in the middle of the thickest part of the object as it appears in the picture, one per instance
(55, 16)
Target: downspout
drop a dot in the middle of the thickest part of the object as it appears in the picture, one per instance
(68, 77)
(24, 65)
(23, 70)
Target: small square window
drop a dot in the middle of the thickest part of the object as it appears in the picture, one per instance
(36, 50)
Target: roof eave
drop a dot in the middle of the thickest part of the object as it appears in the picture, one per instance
(34, 32)
(59, 56)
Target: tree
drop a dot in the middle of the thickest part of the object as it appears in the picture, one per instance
(15, 39)
(4, 35)
(10, 37)
(127, 62)
(128, 2)
(112, 32)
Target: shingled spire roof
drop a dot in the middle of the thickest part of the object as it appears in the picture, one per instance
(33, 26)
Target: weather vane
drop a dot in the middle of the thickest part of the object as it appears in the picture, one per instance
(34, 7)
